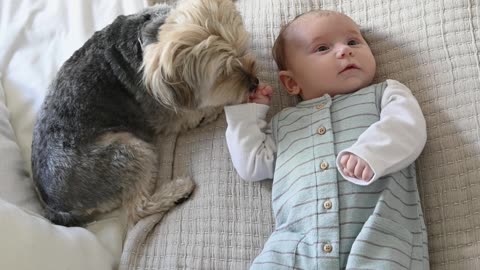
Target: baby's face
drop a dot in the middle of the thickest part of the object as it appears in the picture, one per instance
(328, 55)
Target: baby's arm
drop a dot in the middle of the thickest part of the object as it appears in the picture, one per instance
(395, 141)
(249, 139)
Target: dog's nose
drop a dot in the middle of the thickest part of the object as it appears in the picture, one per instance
(254, 84)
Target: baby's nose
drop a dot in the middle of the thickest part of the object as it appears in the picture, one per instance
(344, 51)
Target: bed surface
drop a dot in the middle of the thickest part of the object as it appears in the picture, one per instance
(431, 46)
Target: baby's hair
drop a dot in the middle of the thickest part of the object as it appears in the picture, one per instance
(278, 50)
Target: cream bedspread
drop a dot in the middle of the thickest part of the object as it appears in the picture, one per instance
(431, 46)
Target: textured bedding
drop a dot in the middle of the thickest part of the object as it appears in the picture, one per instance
(431, 46)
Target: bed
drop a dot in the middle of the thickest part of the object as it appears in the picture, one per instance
(431, 46)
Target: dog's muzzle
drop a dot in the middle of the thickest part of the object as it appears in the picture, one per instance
(254, 82)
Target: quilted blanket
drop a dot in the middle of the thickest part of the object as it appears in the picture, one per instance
(431, 46)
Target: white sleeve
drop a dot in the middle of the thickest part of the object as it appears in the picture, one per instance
(250, 142)
(396, 140)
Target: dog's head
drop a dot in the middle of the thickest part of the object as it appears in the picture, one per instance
(201, 57)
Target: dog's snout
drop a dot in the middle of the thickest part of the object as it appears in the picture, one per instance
(256, 81)
(253, 84)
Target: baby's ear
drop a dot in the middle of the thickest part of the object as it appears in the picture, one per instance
(288, 81)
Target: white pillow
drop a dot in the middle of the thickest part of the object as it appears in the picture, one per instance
(30, 242)
(15, 185)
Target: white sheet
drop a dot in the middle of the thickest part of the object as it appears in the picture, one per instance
(36, 37)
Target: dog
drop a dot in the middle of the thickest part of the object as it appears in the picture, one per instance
(161, 71)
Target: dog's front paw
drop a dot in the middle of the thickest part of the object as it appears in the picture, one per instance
(210, 115)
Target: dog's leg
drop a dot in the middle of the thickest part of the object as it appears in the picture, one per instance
(130, 166)
(167, 196)
(140, 199)
(210, 114)
(194, 118)
(134, 163)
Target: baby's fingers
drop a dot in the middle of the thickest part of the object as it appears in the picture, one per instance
(351, 164)
(367, 174)
(359, 169)
(344, 160)
(267, 90)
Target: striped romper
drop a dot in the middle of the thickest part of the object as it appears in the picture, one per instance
(325, 220)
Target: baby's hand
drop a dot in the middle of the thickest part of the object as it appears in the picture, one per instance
(354, 166)
(262, 95)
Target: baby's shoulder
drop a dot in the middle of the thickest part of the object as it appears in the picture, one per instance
(283, 113)
(375, 86)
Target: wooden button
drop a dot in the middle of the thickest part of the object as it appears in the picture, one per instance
(319, 106)
(321, 130)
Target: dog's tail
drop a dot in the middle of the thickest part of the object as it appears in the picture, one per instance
(68, 219)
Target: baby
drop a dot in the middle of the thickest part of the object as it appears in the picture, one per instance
(344, 191)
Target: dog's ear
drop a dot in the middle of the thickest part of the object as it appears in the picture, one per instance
(200, 43)
(149, 31)
(164, 79)
(160, 72)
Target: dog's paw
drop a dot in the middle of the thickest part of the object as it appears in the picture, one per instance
(168, 196)
(184, 188)
(210, 115)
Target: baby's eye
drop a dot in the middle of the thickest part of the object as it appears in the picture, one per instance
(322, 49)
(352, 42)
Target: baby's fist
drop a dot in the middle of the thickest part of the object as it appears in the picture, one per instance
(262, 95)
(354, 166)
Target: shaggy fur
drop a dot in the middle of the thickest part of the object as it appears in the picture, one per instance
(161, 71)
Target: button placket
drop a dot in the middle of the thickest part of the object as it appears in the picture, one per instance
(325, 156)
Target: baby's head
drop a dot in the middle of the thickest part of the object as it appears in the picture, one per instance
(323, 52)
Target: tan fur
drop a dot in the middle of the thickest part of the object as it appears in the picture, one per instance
(198, 39)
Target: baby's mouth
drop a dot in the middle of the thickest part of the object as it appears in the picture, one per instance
(349, 67)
